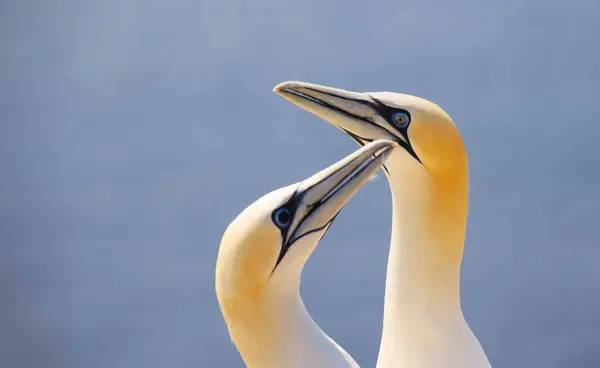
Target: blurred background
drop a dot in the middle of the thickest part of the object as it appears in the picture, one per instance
(132, 132)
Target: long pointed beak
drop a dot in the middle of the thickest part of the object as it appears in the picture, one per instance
(346, 110)
(305, 94)
(324, 194)
(359, 115)
(352, 112)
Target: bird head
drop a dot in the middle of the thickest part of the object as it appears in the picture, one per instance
(427, 134)
(265, 248)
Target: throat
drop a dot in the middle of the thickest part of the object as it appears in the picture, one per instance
(422, 310)
(277, 331)
(423, 272)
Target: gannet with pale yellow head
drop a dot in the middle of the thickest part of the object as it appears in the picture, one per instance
(261, 257)
(423, 323)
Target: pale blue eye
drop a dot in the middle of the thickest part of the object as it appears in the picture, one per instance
(282, 217)
(401, 119)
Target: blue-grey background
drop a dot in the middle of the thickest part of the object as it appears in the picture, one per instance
(132, 132)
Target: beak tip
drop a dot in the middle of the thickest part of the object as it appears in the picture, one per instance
(278, 88)
(281, 87)
(287, 85)
(383, 146)
(385, 143)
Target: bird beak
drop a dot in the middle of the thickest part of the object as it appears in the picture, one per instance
(354, 113)
(324, 194)
(358, 114)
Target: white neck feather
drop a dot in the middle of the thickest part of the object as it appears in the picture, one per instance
(423, 324)
(277, 331)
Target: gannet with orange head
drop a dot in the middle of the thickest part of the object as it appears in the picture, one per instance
(261, 257)
(423, 323)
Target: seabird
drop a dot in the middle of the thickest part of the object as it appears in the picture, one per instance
(423, 323)
(261, 257)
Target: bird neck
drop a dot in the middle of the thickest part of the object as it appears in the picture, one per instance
(422, 302)
(428, 232)
(274, 329)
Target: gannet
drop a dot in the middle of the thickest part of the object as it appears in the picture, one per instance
(423, 323)
(261, 257)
